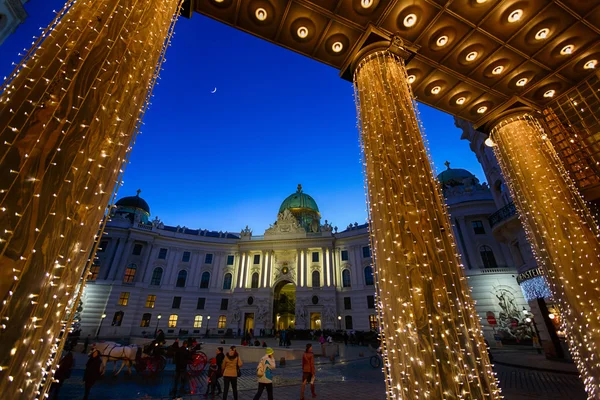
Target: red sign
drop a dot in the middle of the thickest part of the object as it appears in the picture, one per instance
(491, 320)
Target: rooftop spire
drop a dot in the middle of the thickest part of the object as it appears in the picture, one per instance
(138, 192)
(447, 164)
(299, 188)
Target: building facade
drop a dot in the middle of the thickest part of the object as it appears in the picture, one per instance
(12, 14)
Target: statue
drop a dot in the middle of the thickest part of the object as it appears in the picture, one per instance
(246, 233)
(329, 315)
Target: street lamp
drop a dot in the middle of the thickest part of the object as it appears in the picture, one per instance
(340, 321)
(100, 326)
(157, 322)
(207, 323)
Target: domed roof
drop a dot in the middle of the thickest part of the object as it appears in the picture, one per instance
(134, 202)
(454, 176)
(299, 200)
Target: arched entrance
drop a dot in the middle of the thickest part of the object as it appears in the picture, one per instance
(284, 305)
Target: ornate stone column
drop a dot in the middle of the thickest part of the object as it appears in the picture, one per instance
(68, 118)
(561, 230)
(432, 339)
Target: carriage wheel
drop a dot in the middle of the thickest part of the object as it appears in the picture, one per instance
(198, 363)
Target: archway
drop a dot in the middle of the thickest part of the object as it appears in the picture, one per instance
(284, 305)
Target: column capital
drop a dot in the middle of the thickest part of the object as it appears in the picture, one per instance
(514, 109)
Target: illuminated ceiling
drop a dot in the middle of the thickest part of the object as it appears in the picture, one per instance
(471, 58)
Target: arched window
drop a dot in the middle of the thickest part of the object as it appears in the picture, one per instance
(348, 322)
(254, 284)
(129, 273)
(181, 278)
(205, 280)
(487, 256)
(227, 281)
(156, 276)
(316, 279)
(369, 275)
(346, 278)
(118, 318)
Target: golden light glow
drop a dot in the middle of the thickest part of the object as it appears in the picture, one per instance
(550, 93)
(522, 82)
(411, 78)
(568, 49)
(410, 20)
(366, 3)
(261, 14)
(436, 90)
(498, 70)
(461, 100)
(563, 234)
(482, 109)
(590, 64)
(515, 15)
(337, 47)
(551, 316)
(481, 1)
(489, 142)
(442, 41)
(302, 32)
(432, 340)
(472, 56)
(542, 34)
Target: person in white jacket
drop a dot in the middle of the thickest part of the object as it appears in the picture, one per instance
(264, 374)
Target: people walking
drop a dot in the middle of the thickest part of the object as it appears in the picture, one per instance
(231, 370)
(63, 372)
(181, 358)
(264, 374)
(92, 372)
(308, 371)
(214, 373)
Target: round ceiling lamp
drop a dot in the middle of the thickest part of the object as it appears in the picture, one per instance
(498, 70)
(260, 14)
(366, 3)
(481, 1)
(481, 110)
(590, 64)
(302, 32)
(436, 90)
(522, 82)
(461, 100)
(410, 20)
(337, 47)
(542, 34)
(472, 56)
(550, 93)
(442, 41)
(411, 78)
(515, 15)
(568, 49)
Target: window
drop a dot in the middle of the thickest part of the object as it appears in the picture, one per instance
(369, 275)
(186, 256)
(478, 227)
(487, 256)
(129, 273)
(137, 249)
(371, 301)
(208, 259)
(222, 322)
(227, 281)
(156, 276)
(162, 254)
(224, 304)
(373, 322)
(198, 321)
(181, 278)
(150, 300)
(205, 280)
(146, 317)
(172, 321)
(518, 254)
(230, 259)
(315, 256)
(346, 278)
(200, 303)
(366, 252)
(347, 303)
(344, 255)
(257, 259)
(124, 298)
(176, 302)
(348, 321)
(118, 318)
(94, 270)
(316, 279)
(254, 284)
(103, 246)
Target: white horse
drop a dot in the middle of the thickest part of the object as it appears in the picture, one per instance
(111, 351)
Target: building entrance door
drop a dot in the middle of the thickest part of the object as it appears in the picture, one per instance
(248, 322)
(315, 320)
(284, 305)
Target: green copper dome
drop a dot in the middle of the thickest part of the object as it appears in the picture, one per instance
(454, 176)
(299, 201)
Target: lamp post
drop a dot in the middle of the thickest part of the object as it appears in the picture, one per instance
(207, 323)
(340, 321)
(536, 336)
(158, 317)
(100, 326)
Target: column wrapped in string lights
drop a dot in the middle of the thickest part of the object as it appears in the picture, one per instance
(561, 230)
(432, 339)
(68, 116)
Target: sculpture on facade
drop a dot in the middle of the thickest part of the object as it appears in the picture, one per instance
(246, 233)
(286, 223)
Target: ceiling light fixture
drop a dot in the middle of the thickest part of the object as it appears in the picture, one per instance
(522, 82)
(481, 110)
(481, 1)
(410, 20)
(498, 70)
(442, 41)
(461, 101)
(515, 15)
(261, 14)
(590, 64)
(489, 142)
(337, 47)
(550, 93)
(436, 90)
(302, 32)
(411, 78)
(366, 3)
(472, 56)
(568, 49)
(542, 34)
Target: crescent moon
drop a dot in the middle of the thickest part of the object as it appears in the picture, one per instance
(214, 91)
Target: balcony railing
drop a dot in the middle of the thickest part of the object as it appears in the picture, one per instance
(502, 214)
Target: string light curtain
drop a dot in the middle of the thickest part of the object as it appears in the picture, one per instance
(432, 339)
(68, 116)
(562, 232)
